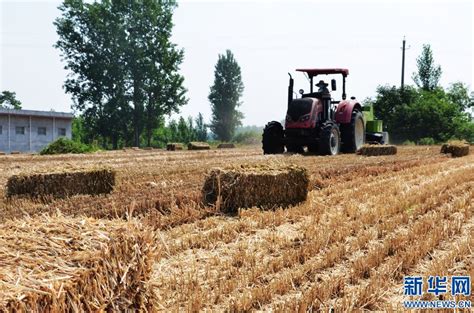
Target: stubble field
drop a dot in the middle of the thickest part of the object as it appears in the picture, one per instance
(367, 222)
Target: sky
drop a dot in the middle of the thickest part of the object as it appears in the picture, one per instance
(268, 38)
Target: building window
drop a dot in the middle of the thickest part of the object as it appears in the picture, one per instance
(20, 130)
(61, 132)
(41, 130)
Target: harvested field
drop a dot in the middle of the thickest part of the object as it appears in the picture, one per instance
(366, 223)
(59, 264)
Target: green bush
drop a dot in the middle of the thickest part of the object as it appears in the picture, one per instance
(64, 145)
(408, 143)
(426, 141)
(248, 137)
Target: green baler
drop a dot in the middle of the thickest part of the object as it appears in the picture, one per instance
(373, 128)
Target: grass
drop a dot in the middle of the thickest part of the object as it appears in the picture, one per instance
(64, 145)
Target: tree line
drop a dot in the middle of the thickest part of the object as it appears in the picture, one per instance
(426, 112)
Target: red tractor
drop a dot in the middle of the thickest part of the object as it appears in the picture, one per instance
(317, 122)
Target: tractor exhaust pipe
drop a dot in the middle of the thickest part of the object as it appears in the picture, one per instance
(290, 90)
(343, 87)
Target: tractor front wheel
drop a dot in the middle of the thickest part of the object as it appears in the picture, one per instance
(272, 139)
(330, 139)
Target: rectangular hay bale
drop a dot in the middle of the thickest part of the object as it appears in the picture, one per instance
(226, 146)
(65, 264)
(261, 186)
(174, 146)
(195, 145)
(456, 148)
(63, 184)
(374, 150)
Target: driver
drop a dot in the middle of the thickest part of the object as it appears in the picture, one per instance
(323, 87)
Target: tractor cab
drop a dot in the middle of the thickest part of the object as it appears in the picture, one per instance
(312, 73)
(314, 107)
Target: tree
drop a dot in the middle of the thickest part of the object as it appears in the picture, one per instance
(8, 100)
(225, 97)
(458, 93)
(412, 114)
(200, 128)
(428, 73)
(389, 100)
(173, 130)
(78, 133)
(431, 115)
(183, 130)
(123, 67)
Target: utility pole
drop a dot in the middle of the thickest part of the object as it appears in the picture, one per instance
(403, 63)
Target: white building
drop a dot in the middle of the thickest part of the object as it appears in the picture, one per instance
(31, 131)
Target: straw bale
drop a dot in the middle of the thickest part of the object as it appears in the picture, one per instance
(174, 146)
(59, 264)
(147, 148)
(62, 184)
(263, 186)
(226, 146)
(373, 150)
(136, 148)
(2, 153)
(455, 148)
(195, 145)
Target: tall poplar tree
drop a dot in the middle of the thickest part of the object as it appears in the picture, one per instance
(225, 97)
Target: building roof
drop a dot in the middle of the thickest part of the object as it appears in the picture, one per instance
(36, 113)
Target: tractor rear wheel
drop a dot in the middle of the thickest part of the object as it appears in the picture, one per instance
(353, 134)
(330, 139)
(272, 139)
